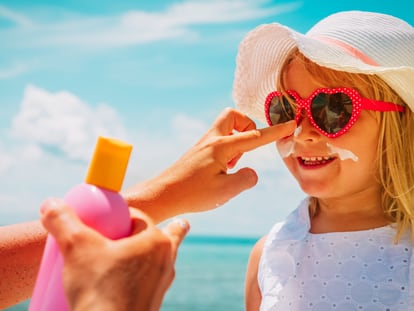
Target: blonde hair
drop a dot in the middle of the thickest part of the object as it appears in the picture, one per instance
(395, 153)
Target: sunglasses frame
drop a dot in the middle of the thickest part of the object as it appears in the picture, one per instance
(359, 103)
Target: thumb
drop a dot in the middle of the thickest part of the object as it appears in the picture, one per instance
(176, 231)
(64, 225)
(239, 181)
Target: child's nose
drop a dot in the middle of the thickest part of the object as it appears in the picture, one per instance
(308, 132)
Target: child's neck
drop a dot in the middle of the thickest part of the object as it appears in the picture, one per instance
(340, 216)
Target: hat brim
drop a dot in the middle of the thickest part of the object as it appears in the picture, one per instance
(264, 51)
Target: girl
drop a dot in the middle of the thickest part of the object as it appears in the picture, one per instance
(348, 84)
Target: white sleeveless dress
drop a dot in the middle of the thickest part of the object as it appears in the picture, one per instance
(342, 271)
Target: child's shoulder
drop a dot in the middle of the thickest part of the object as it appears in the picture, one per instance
(296, 224)
(258, 246)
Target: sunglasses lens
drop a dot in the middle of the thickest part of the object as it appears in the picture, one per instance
(331, 112)
(280, 110)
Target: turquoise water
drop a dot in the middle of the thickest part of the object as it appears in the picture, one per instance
(209, 275)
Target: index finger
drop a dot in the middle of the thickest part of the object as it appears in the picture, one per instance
(249, 140)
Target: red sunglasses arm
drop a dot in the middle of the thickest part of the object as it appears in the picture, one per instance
(377, 105)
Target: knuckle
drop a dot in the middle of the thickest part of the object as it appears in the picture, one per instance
(172, 274)
(160, 240)
(72, 239)
(256, 133)
(215, 141)
(227, 113)
(229, 110)
(214, 146)
(52, 214)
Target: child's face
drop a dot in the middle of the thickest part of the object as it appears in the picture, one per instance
(319, 172)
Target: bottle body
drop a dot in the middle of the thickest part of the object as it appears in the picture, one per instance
(101, 209)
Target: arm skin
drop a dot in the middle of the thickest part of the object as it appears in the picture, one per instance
(21, 248)
(253, 297)
(197, 182)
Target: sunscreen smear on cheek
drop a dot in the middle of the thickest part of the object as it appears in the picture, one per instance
(343, 154)
(285, 147)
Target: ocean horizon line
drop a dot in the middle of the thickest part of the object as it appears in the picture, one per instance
(209, 238)
(220, 239)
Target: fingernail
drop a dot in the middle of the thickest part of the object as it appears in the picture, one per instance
(182, 223)
(49, 204)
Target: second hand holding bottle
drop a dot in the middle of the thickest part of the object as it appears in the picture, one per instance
(99, 205)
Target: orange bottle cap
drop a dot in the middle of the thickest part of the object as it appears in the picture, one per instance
(108, 165)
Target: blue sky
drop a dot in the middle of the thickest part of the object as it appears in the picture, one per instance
(153, 73)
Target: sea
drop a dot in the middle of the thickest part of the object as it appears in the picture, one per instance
(210, 272)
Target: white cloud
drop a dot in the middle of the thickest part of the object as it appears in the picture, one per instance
(32, 176)
(204, 12)
(15, 17)
(48, 147)
(223, 11)
(188, 129)
(13, 71)
(64, 123)
(6, 160)
(135, 27)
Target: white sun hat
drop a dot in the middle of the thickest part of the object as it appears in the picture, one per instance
(352, 41)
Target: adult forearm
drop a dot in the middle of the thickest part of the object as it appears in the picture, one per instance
(21, 249)
(155, 198)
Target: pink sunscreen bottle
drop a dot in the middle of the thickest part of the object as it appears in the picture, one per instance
(99, 205)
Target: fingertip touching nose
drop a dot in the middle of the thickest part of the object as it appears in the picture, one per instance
(305, 131)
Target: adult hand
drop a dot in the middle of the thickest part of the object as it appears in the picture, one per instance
(199, 180)
(132, 273)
